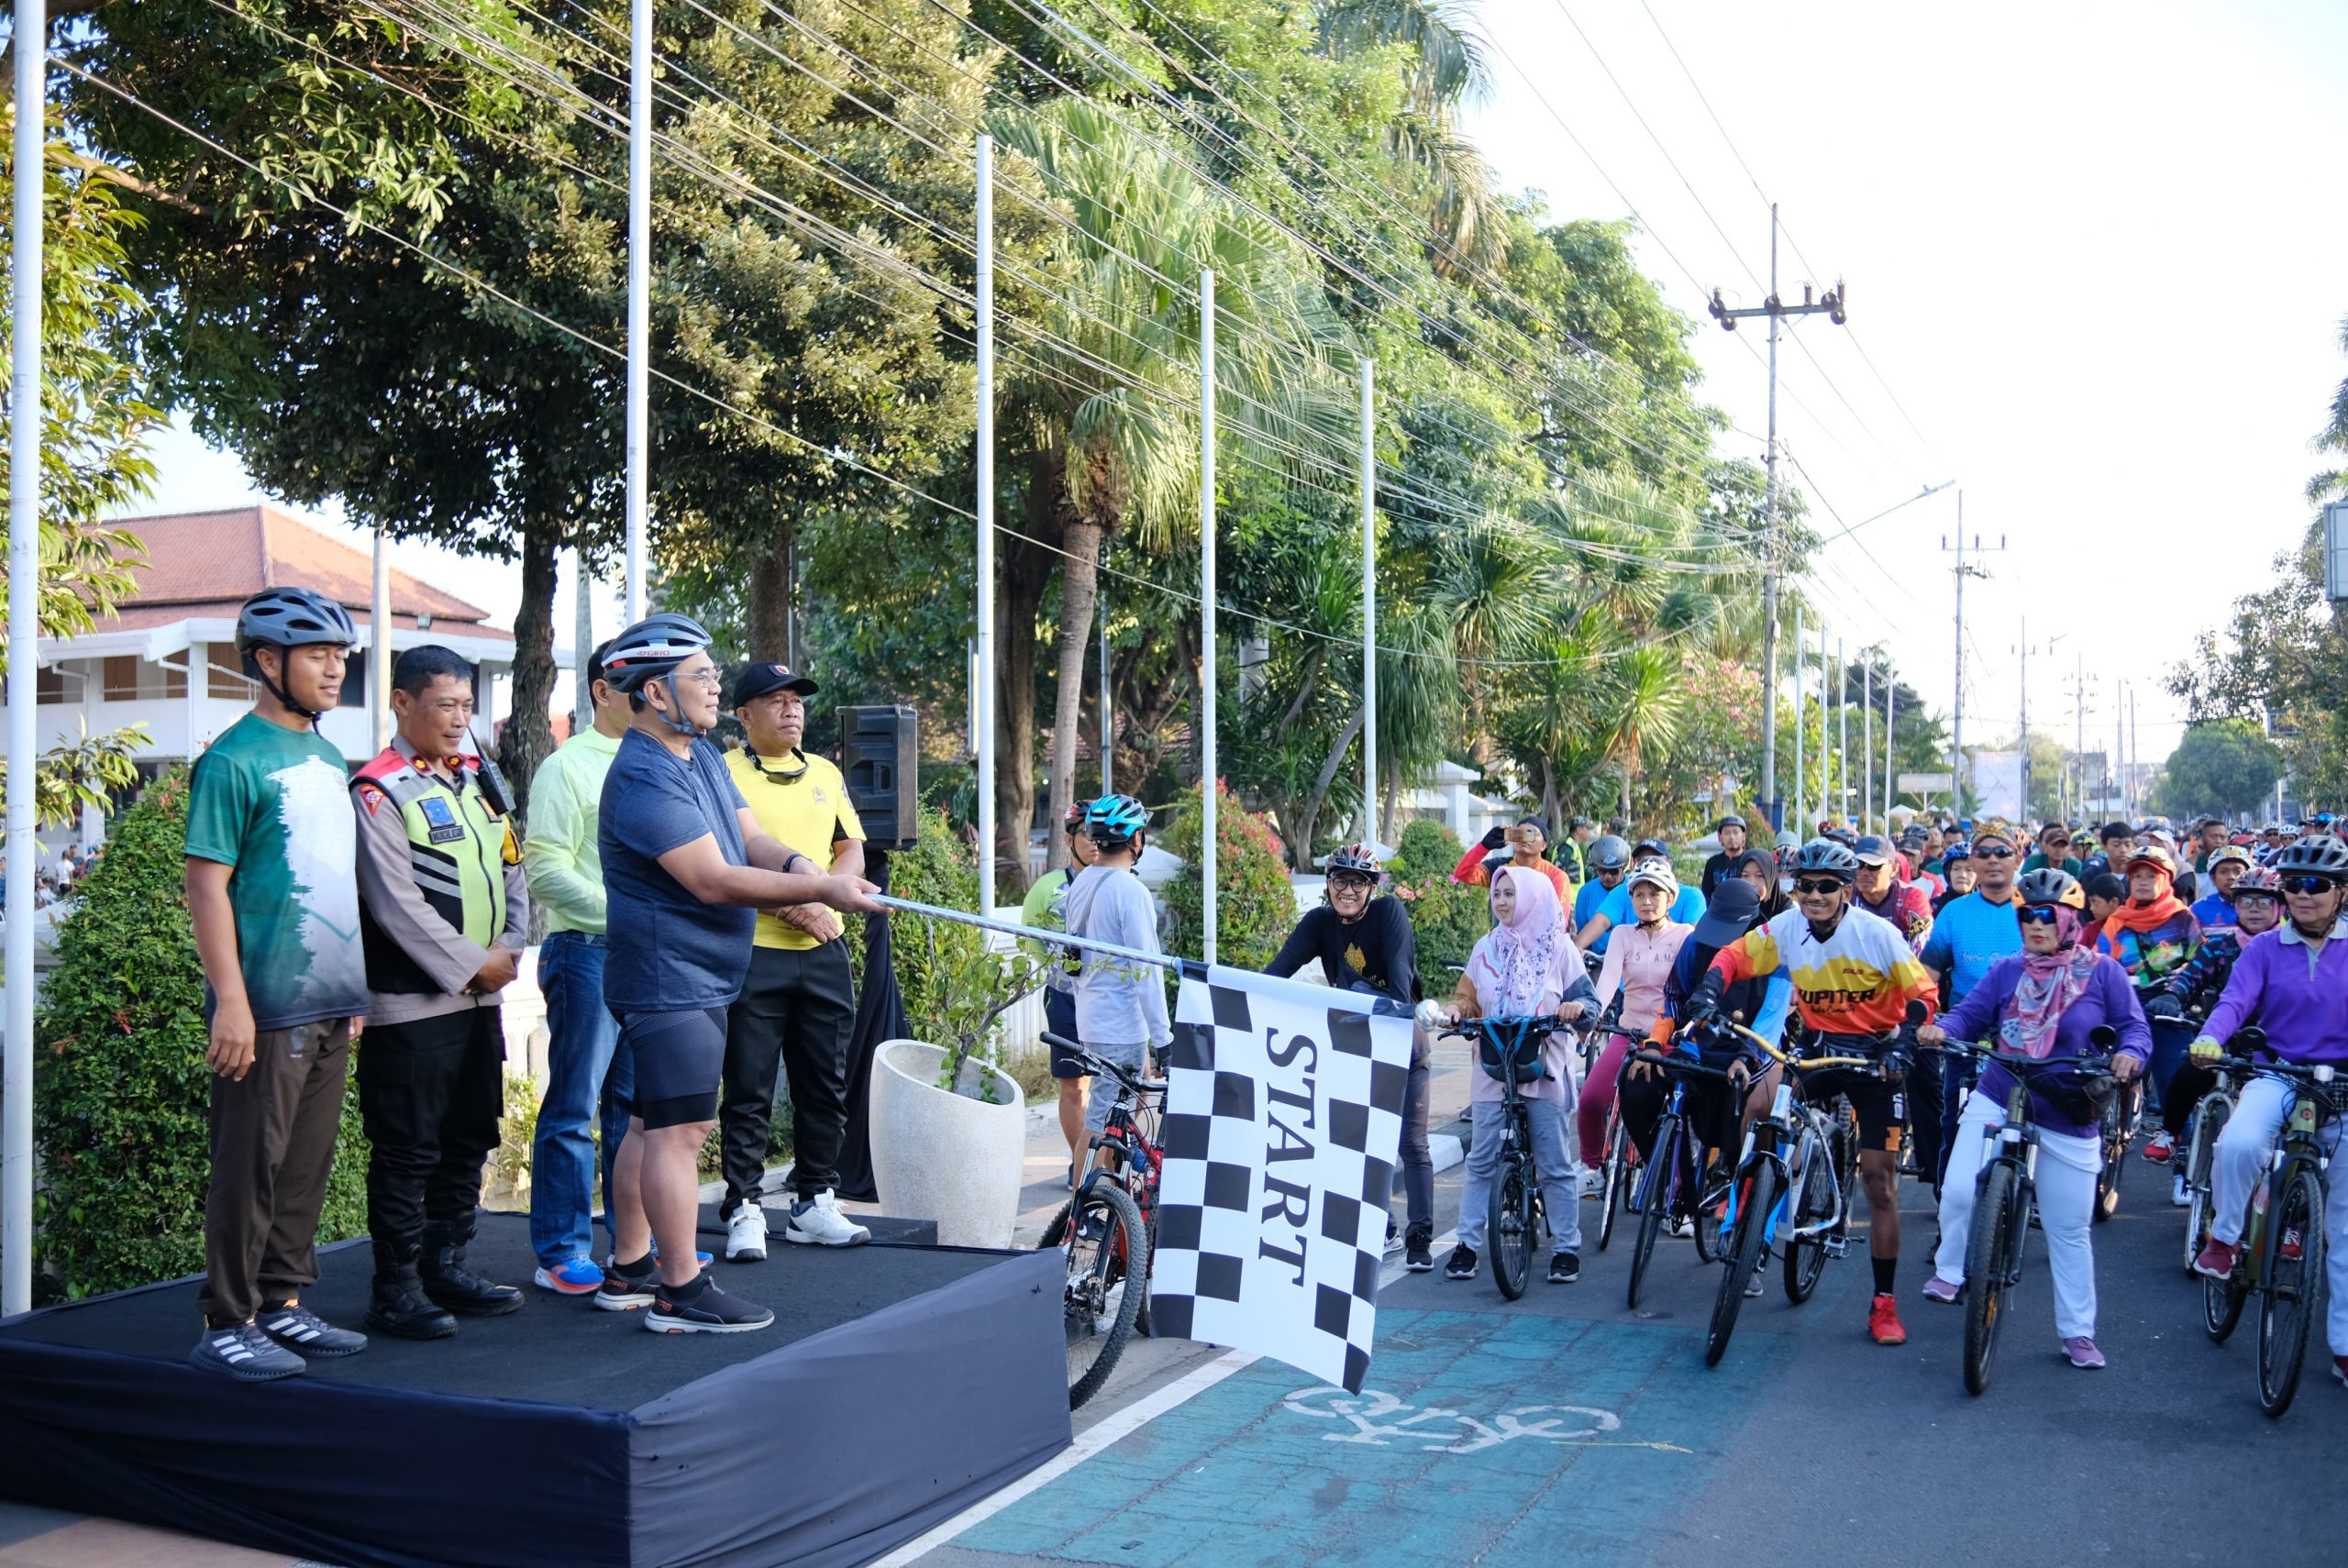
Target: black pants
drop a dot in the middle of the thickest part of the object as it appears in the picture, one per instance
(1929, 1111)
(429, 1092)
(1707, 1110)
(796, 1010)
(2186, 1089)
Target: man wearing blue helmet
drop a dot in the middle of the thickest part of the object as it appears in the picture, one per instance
(1120, 1005)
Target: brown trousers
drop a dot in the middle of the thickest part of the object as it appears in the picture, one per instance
(273, 1147)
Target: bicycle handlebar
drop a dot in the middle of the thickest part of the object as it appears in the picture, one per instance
(1102, 1066)
(1674, 1063)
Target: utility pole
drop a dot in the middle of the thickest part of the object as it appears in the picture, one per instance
(2136, 739)
(2025, 718)
(1842, 729)
(1956, 707)
(1800, 793)
(1866, 738)
(1831, 306)
(2079, 730)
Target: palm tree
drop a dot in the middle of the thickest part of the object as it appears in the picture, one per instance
(1105, 385)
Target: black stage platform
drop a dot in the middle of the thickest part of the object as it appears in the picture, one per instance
(897, 1384)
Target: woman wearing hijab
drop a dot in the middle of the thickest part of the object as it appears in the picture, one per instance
(1638, 962)
(2045, 1001)
(1524, 965)
(2154, 935)
(1759, 869)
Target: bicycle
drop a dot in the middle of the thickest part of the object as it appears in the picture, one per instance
(2194, 1162)
(2005, 1190)
(1672, 1181)
(1618, 1160)
(2115, 1131)
(1764, 1194)
(2283, 1245)
(1108, 1228)
(1511, 1053)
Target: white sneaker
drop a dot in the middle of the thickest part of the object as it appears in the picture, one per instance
(745, 1234)
(818, 1221)
(2180, 1194)
(1593, 1182)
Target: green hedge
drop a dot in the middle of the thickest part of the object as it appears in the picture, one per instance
(1255, 902)
(1447, 918)
(1427, 848)
(121, 1091)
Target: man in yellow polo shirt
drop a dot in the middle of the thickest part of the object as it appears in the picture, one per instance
(799, 1002)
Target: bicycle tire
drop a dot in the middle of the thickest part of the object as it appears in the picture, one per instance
(2209, 1120)
(1711, 1245)
(1806, 1259)
(1102, 1294)
(1508, 1220)
(1654, 1201)
(1996, 1207)
(1756, 1200)
(1616, 1198)
(2294, 1287)
(2117, 1130)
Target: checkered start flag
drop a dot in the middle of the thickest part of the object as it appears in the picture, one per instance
(1283, 1119)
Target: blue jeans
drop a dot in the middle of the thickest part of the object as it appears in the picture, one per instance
(1559, 1177)
(583, 1067)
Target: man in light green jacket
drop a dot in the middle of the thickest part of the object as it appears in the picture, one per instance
(565, 871)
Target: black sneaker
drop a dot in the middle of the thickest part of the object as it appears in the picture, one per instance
(624, 1292)
(1416, 1258)
(1564, 1269)
(302, 1331)
(245, 1353)
(1462, 1264)
(705, 1311)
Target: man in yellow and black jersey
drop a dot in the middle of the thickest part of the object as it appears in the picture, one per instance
(798, 1004)
(443, 916)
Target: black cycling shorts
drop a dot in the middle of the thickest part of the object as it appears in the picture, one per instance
(1880, 1106)
(679, 1058)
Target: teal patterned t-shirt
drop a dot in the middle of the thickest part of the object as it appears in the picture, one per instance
(274, 805)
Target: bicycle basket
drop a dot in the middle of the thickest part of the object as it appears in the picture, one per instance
(1517, 1054)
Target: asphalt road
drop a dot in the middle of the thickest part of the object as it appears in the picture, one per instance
(1565, 1429)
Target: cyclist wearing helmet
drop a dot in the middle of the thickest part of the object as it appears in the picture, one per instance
(686, 869)
(2194, 990)
(1525, 841)
(1120, 1006)
(1957, 875)
(1970, 935)
(2223, 867)
(1638, 964)
(1046, 910)
(1610, 862)
(2294, 981)
(1730, 832)
(1687, 904)
(1854, 978)
(2046, 1001)
(1365, 944)
(1734, 911)
(271, 874)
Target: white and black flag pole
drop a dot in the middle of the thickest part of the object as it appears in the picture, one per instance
(1283, 1123)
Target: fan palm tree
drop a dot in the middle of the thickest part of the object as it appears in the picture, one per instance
(1106, 384)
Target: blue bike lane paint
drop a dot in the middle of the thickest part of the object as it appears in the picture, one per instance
(1504, 1438)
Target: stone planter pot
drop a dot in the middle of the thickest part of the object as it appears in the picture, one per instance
(940, 1157)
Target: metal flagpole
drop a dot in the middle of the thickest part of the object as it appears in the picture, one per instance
(1369, 611)
(1825, 733)
(1890, 717)
(582, 637)
(1866, 740)
(1208, 845)
(983, 689)
(1842, 729)
(379, 645)
(1108, 712)
(24, 660)
(640, 294)
(1801, 794)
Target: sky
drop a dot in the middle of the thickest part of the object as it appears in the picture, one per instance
(2094, 275)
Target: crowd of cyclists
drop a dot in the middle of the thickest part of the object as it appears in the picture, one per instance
(2106, 967)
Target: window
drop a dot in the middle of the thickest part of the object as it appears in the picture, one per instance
(121, 679)
(221, 679)
(354, 682)
(124, 677)
(52, 686)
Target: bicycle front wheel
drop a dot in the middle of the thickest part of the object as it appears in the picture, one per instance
(1996, 1210)
(2294, 1289)
(1511, 1222)
(1814, 1201)
(1756, 1200)
(1655, 1199)
(2119, 1125)
(2201, 1155)
(1616, 1197)
(1099, 1233)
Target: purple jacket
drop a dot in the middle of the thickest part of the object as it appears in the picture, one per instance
(2303, 1007)
(2108, 999)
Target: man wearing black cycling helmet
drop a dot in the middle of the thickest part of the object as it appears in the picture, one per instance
(272, 868)
(1610, 862)
(686, 869)
(1365, 944)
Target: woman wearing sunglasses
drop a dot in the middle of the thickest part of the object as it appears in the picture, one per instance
(2045, 1002)
(2294, 981)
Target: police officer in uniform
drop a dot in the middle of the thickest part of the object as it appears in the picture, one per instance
(444, 916)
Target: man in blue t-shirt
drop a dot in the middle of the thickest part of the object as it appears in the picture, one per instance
(1614, 908)
(686, 868)
(1971, 933)
(1609, 860)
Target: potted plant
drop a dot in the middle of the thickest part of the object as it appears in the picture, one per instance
(949, 1126)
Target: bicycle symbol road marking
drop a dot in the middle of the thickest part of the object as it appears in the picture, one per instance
(1376, 1418)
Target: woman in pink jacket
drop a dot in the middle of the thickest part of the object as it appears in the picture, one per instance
(1638, 962)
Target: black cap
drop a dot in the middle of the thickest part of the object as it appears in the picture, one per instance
(1872, 851)
(1735, 907)
(757, 679)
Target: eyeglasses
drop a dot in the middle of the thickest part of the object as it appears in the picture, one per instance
(2037, 914)
(1993, 855)
(1351, 880)
(707, 680)
(2308, 885)
(1816, 885)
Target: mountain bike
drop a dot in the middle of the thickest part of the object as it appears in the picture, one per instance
(2283, 1246)
(1108, 1228)
(1618, 1161)
(2194, 1162)
(1509, 1051)
(1671, 1182)
(1795, 1177)
(2005, 1190)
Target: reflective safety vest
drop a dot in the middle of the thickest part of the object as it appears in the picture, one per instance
(458, 849)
